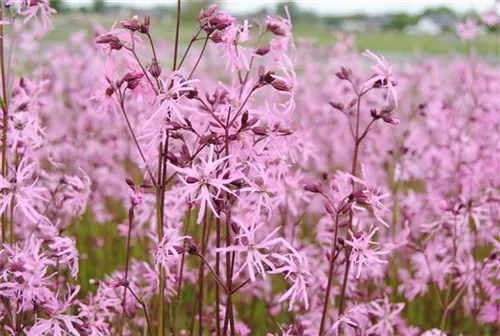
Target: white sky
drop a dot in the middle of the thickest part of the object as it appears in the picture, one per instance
(335, 7)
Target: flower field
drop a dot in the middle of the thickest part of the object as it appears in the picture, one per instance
(243, 183)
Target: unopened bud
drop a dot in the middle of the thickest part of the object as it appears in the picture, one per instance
(191, 179)
(281, 85)
(131, 25)
(314, 188)
(244, 118)
(129, 182)
(172, 158)
(329, 208)
(217, 37)
(261, 51)
(155, 69)
(235, 227)
(353, 102)
(388, 118)
(191, 247)
(105, 39)
(337, 106)
(259, 130)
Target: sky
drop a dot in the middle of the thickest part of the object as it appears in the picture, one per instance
(328, 7)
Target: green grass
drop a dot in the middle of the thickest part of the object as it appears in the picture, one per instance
(387, 41)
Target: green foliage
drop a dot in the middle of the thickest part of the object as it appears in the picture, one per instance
(401, 20)
(99, 6)
(58, 5)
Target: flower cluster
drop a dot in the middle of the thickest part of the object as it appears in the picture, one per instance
(240, 184)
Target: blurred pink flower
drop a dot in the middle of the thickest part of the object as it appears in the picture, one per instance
(387, 315)
(468, 30)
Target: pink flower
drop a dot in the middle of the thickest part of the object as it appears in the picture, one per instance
(361, 254)
(296, 269)
(57, 323)
(203, 182)
(468, 30)
(491, 17)
(387, 313)
(370, 195)
(257, 252)
(24, 193)
(262, 187)
(383, 76)
(169, 250)
(65, 250)
(30, 9)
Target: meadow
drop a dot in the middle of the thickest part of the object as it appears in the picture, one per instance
(246, 177)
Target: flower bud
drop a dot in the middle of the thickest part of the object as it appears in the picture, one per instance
(281, 85)
(155, 69)
(388, 118)
(244, 118)
(314, 188)
(105, 39)
(337, 106)
(191, 179)
(191, 247)
(259, 130)
(172, 158)
(133, 84)
(131, 25)
(261, 51)
(216, 37)
(329, 208)
(129, 181)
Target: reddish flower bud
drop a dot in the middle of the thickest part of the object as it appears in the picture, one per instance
(388, 118)
(281, 85)
(133, 84)
(329, 208)
(172, 158)
(191, 179)
(353, 102)
(191, 247)
(131, 25)
(216, 37)
(155, 69)
(105, 39)
(337, 106)
(261, 51)
(259, 130)
(129, 182)
(314, 188)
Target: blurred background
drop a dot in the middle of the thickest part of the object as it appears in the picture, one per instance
(425, 27)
